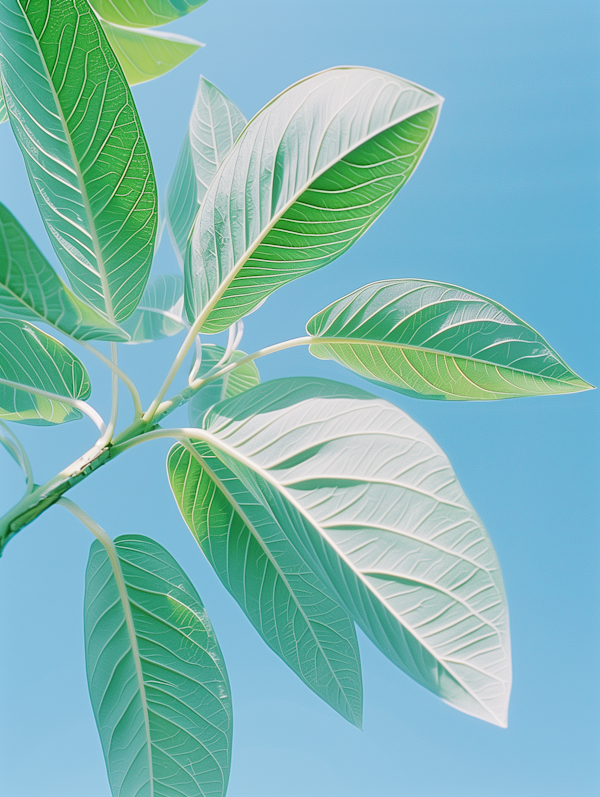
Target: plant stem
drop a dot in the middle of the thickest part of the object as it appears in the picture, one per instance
(137, 403)
(22, 456)
(114, 410)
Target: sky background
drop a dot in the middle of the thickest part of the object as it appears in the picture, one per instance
(504, 203)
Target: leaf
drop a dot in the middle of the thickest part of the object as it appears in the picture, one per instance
(372, 505)
(147, 54)
(308, 175)
(11, 443)
(31, 289)
(214, 126)
(232, 384)
(85, 152)
(31, 360)
(144, 13)
(283, 599)
(158, 315)
(157, 679)
(433, 340)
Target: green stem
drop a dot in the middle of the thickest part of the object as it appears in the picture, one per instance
(114, 410)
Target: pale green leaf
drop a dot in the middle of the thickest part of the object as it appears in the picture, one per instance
(231, 384)
(31, 289)
(307, 177)
(373, 506)
(158, 315)
(36, 371)
(147, 54)
(157, 679)
(438, 341)
(214, 126)
(287, 604)
(87, 159)
(144, 13)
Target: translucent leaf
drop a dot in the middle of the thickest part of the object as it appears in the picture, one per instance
(158, 315)
(144, 13)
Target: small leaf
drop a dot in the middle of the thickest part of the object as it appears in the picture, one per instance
(287, 604)
(214, 126)
(437, 341)
(147, 54)
(31, 359)
(84, 148)
(232, 384)
(158, 315)
(306, 178)
(31, 289)
(372, 505)
(157, 679)
(144, 13)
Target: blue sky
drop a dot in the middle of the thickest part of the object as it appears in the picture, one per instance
(505, 203)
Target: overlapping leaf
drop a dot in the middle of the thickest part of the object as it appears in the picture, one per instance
(158, 315)
(231, 384)
(31, 289)
(373, 506)
(214, 126)
(437, 341)
(36, 371)
(309, 174)
(157, 679)
(288, 605)
(144, 13)
(84, 148)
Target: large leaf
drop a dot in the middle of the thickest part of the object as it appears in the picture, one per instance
(144, 13)
(36, 371)
(309, 174)
(231, 384)
(373, 506)
(287, 604)
(157, 679)
(437, 341)
(214, 126)
(158, 315)
(147, 54)
(31, 289)
(88, 161)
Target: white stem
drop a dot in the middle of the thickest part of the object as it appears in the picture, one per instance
(114, 410)
(197, 361)
(137, 403)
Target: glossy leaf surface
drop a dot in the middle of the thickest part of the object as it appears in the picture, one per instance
(309, 174)
(158, 315)
(147, 54)
(232, 384)
(433, 340)
(144, 13)
(31, 359)
(373, 506)
(214, 126)
(288, 605)
(87, 159)
(156, 675)
(31, 289)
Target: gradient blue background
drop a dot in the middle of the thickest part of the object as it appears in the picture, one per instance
(505, 203)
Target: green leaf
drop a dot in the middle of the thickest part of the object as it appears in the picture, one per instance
(308, 175)
(36, 371)
(85, 152)
(372, 505)
(158, 315)
(287, 604)
(147, 54)
(214, 126)
(232, 384)
(156, 675)
(437, 341)
(144, 13)
(31, 289)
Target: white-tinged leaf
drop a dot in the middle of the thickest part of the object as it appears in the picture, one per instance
(373, 506)
(157, 679)
(306, 178)
(158, 315)
(214, 126)
(36, 371)
(84, 148)
(288, 605)
(144, 13)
